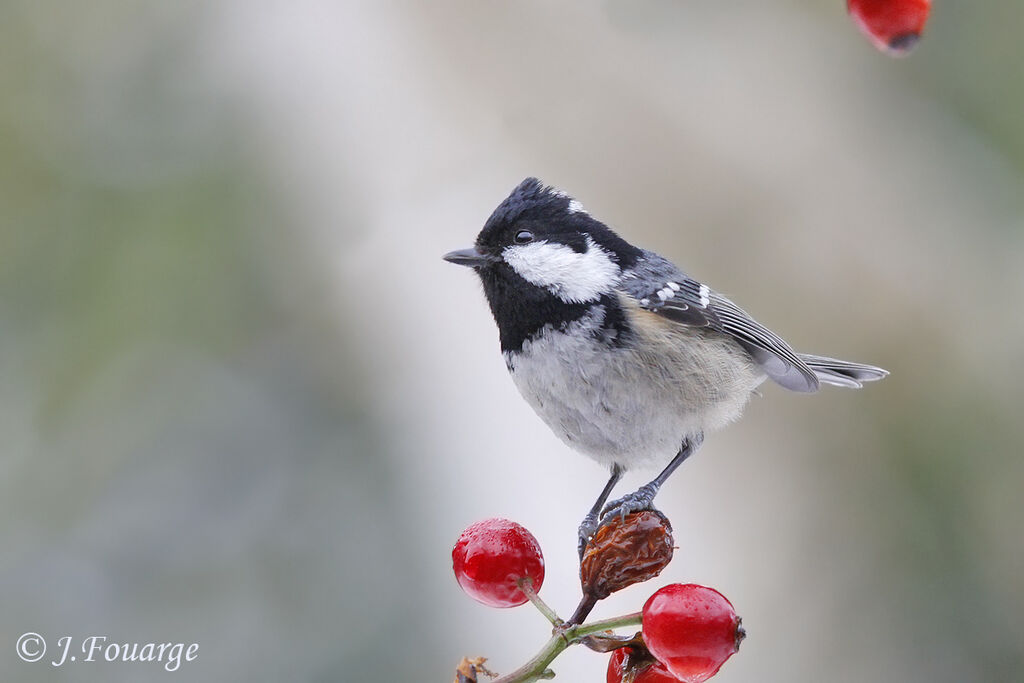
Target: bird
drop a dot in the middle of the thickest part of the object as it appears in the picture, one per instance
(627, 359)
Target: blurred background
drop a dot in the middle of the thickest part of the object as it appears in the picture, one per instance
(244, 402)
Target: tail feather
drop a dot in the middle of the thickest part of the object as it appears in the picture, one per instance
(842, 373)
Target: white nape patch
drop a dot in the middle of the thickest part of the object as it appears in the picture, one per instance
(704, 293)
(571, 276)
(574, 205)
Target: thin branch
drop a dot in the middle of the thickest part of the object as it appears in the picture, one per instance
(633, 619)
(537, 668)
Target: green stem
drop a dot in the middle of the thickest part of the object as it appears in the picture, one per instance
(534, 669)
(593, 627)
(537, 667)
(526, 585)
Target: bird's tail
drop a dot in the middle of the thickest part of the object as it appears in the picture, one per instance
(842, 373)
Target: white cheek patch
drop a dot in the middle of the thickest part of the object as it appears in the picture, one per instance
(571, 276)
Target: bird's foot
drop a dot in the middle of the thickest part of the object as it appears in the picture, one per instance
(639, 500)
(588, 527)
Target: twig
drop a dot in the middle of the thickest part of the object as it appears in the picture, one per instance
(537, 668)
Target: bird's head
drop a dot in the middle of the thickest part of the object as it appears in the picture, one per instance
(540, 241)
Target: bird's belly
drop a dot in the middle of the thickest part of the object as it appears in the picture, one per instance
(617, 405)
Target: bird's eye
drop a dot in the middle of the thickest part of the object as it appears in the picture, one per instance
(524, 236)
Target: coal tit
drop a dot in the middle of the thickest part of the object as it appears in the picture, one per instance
(624, 356)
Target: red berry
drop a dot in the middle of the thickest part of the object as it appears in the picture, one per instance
(623, 664)
(691, 629)
(491, 556)
(893, 26)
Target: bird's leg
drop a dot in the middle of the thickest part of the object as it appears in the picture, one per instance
(643, 498)
(589, 524)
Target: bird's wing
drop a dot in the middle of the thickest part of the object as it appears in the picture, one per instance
(657, 285)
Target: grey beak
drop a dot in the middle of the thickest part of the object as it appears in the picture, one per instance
(468, 257)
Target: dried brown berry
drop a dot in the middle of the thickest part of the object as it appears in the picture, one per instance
(621, 553)
(469, 668)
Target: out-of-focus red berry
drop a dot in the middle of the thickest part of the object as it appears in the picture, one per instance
(691, 629)
(624, 667)
(491, 556)
(893, 26)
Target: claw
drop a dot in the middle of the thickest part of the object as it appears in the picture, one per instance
(641, 499)
(588, 527)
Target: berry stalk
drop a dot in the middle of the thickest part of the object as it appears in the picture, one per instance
(526, 585)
